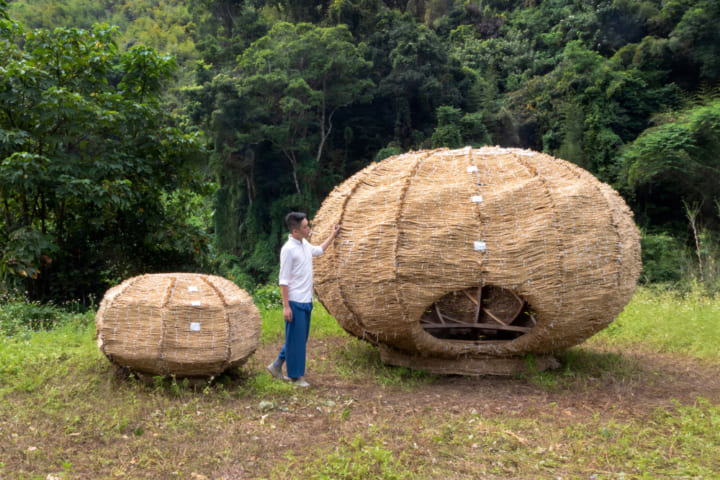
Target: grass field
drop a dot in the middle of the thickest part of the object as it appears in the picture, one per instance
(641, 399)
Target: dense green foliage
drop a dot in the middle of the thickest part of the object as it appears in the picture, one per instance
(94, 176)
(293, 97)
(586, 81)
(164, 25)
(677, 159)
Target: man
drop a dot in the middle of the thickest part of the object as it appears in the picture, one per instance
(296, 287)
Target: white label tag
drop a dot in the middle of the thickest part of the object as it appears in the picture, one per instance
(477, 198)
(472, 169)
(195, 326)
(480, 246)
(195, 303)
(192, 288)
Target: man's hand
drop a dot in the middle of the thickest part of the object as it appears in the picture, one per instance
(285, 295)
(331, 237)
(287, 314)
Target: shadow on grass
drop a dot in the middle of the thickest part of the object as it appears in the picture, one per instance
(581, 364)
(360, 360)
(234, 382)
(357, 360)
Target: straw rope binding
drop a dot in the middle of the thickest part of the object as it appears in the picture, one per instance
(177, 323)
(455, 259)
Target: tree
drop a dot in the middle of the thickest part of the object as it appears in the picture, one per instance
(225, 28)
(358, 15)
(415, 75)
(301, 10)
(92, 172)
(675, 162)
(455, 129)
(610, 101)
(291, 82)
(166, 26)
(697, 36)
(272, 118)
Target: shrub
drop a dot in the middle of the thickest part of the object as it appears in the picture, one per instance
(18, 315)
(267, 297)
(664, 258)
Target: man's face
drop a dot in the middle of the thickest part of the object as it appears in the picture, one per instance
(303, 231)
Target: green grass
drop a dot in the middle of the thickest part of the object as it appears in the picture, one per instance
(358, 358)
(322, 324)
(654, 321)
(30, 358)
(668, 323)
(64, 412)
(358, 458)
(681, 442)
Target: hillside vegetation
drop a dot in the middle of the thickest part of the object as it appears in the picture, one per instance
(287, 99)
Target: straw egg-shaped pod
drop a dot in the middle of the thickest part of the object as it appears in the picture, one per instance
(182, 324)
(467, 261)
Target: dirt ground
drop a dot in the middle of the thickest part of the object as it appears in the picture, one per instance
(649, 381)
(359, 410)
(653, 380)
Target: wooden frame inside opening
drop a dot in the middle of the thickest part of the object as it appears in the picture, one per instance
(483, 313)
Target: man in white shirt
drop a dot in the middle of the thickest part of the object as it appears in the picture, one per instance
(296, 287)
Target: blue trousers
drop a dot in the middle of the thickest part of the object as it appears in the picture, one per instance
(296, 335)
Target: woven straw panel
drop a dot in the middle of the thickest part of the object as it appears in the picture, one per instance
(418, 226)
(177, 323)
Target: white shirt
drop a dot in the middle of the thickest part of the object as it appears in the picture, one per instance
(296, 269)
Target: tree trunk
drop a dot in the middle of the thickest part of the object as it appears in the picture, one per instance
(324, 134)
(692, 213)
(293, 162)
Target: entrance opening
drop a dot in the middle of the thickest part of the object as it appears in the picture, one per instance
(479, 314)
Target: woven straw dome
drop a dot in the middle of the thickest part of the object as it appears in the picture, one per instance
(464, 261)
(177, 323)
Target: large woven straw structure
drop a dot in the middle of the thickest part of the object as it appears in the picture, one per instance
(182, 324)
(465, 261)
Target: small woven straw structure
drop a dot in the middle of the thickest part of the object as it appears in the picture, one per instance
(183, 324)
(465, 261)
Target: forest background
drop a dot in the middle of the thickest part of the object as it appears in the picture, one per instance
(159, 135)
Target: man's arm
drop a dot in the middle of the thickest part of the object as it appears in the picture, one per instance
(287, 312)
(284, 280)
(328, 241)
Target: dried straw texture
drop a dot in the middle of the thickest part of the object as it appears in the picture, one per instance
(419, 226)
(177, 323)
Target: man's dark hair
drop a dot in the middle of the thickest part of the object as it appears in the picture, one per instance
(293, 220)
